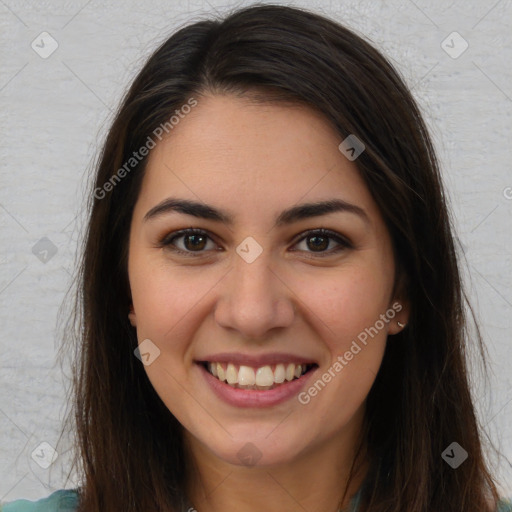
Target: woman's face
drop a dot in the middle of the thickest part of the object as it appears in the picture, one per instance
(257, 291)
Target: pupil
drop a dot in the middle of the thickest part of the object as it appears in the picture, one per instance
(195, 244)
(319, 242)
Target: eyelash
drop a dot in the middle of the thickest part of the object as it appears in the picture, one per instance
(167, 241)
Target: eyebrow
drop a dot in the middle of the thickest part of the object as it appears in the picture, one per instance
(288, 216)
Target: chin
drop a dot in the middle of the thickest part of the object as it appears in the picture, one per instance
(246, 449)
(251, 455)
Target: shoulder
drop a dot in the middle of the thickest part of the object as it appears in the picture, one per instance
(62, 500)
(504, 505)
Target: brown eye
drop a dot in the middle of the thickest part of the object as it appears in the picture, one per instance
(188, 241)
(193, 242)
(319, 240)
(316, 242)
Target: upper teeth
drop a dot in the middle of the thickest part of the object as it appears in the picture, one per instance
(262, 376)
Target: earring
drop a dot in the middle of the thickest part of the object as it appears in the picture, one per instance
(401, 325)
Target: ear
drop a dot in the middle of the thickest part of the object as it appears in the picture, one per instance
(400, 304)
(132, 316)
(401, 308)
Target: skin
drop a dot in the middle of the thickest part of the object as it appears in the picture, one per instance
(254, 161)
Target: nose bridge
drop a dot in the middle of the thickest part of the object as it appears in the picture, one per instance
(255, 300)
(254, 278)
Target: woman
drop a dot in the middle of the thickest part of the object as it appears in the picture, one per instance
(271, 311)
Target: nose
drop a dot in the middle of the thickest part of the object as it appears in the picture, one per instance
(254, 299)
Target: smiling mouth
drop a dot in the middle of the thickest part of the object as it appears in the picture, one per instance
(261, 378)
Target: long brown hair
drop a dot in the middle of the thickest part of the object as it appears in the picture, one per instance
(130, 455)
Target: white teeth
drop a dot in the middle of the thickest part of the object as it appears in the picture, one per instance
(256, 378)
(221, 375)
(231, 374)
(246, 376)
(264, 376)
(279, 374)
(290, 372)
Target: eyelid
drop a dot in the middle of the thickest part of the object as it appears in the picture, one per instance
(323, 232)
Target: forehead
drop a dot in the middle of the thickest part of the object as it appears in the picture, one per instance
(246, 156)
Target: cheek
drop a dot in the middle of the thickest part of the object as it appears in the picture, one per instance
(347, 315)
(349, 300)
(165, 299)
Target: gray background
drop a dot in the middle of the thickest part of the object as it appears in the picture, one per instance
(55, 111)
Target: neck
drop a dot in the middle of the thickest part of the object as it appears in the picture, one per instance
(313, 481)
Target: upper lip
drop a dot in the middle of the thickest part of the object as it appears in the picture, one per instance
(256, 360)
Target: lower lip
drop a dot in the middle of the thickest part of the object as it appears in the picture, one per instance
(254, 397)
